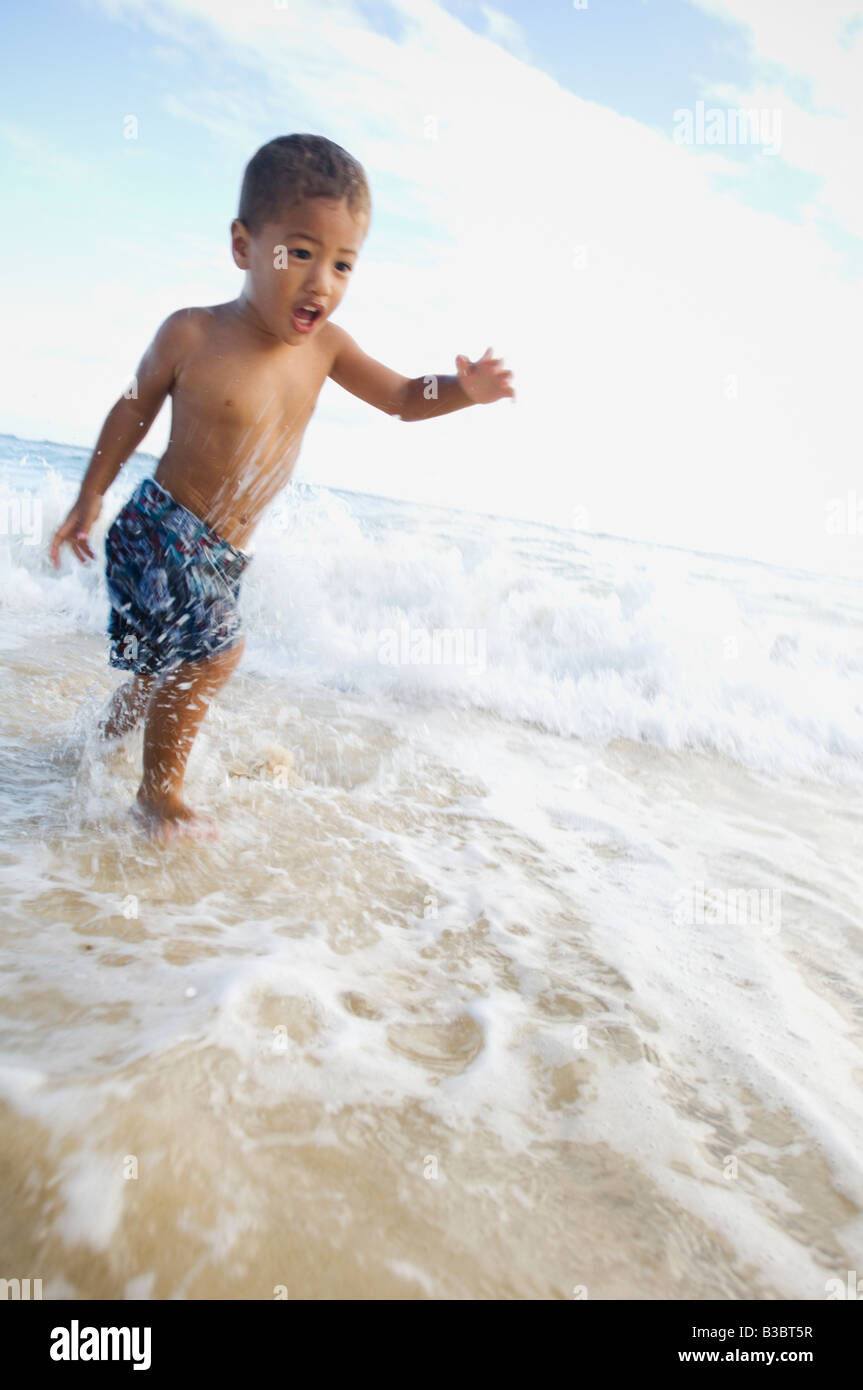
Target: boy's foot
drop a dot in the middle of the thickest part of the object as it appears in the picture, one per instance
(167, 817)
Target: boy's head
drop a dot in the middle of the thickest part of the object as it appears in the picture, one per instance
(304, 212)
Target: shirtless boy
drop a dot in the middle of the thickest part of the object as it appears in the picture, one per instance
(244, 378)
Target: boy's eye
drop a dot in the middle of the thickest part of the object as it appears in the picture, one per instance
(302, 251)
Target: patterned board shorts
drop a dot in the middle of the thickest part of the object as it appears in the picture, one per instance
(173, 585)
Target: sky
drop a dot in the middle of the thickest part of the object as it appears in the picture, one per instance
(567, 183)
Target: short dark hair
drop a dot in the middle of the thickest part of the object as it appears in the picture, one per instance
(291, 168)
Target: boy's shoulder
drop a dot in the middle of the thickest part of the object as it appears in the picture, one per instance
(182, 329)
(194, 319)
(186, 331)
(336, 343)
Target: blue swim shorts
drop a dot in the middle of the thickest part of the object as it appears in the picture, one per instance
(173, 585)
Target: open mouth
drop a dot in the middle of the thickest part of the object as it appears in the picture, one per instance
(305, 318)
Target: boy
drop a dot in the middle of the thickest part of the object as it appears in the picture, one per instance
(244, 378)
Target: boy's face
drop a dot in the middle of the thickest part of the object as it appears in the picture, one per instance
(306, 256)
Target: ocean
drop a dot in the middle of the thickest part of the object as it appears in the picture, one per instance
(529, 962)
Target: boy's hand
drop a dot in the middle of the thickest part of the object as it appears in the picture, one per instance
(75, 529)
(486, 380)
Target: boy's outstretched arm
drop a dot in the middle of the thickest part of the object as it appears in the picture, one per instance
(125, 426)
(422, 397)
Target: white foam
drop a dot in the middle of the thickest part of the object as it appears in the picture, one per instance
(595, 640)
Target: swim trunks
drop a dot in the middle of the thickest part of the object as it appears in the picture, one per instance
(173, 585)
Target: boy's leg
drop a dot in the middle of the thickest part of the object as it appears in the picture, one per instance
(127, 707)
(177, 707)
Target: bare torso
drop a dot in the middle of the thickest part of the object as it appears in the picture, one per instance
(241, 404)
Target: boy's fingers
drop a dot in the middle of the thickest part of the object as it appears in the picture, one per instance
(57, 545)
(78, 544)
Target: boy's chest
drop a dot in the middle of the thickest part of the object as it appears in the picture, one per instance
(253, 393)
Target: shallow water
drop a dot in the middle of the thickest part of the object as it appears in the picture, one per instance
(444, 1014)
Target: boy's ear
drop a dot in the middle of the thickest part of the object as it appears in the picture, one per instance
(240, 240)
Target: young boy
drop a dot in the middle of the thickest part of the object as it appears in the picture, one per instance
(244, 378)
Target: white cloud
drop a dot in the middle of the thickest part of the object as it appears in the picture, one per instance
(821, 46)
(31, 150)
(232, 119)
(503, 30)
